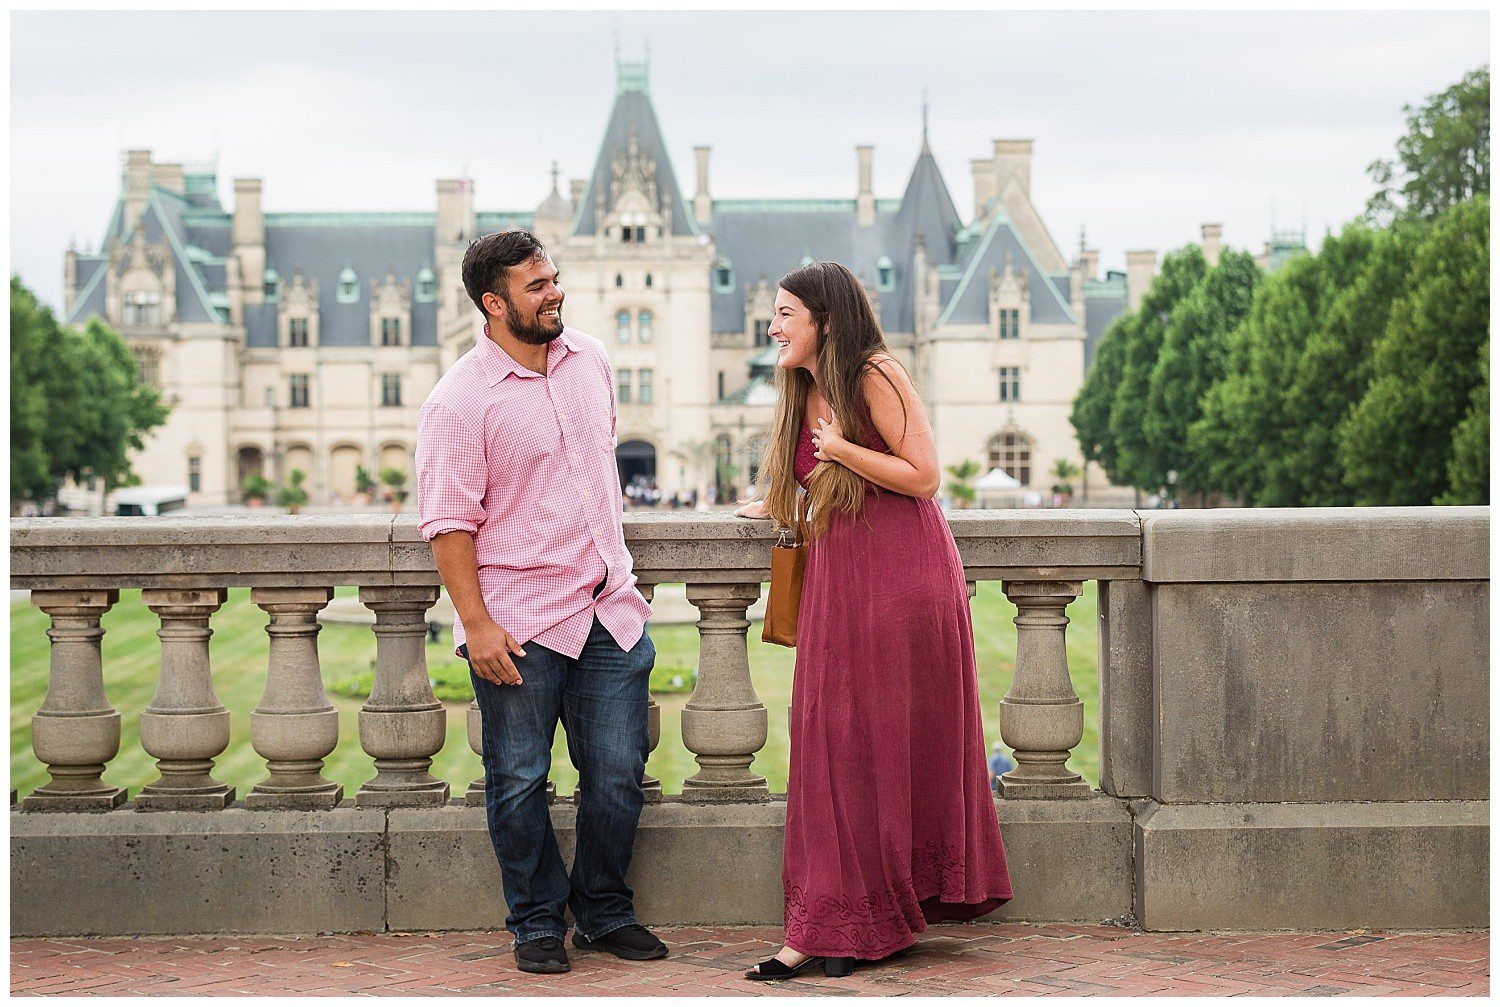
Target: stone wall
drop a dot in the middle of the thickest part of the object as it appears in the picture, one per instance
(1293, 729)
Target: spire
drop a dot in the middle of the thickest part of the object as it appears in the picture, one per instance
(1083, 241)
(554, 174)
(925, 147)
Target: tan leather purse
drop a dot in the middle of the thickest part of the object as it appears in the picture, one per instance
(787, 563)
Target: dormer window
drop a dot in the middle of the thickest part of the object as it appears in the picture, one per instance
(272, 288)
(426, 286)
(390, 332)
(723, 277)
(1010, 323)
(296, 332)
(141, 308)
(348, 291)
(885, 274)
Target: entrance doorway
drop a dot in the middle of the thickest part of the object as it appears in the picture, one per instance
(636, 461)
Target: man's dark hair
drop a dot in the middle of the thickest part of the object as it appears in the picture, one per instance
(488, 259)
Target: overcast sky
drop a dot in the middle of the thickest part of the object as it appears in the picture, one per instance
(1146, 125)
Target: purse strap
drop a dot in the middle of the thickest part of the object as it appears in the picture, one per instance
(803, 501)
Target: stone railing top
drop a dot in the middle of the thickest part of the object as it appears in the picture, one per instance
(380, 549)
(1316, 544)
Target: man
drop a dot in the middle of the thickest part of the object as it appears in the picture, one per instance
(518, 494)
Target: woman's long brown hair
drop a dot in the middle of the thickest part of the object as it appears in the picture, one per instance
(849, 340)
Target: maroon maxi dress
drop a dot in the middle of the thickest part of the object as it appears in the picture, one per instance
(890, 823)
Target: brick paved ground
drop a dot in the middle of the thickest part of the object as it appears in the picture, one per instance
(975, 959)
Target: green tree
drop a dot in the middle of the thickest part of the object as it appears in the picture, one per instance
(1194, 353)
(34, 335)
(959, 489)
(1469, 468)
(1091, 407)
(113, 407)
(77, 408)
(1443, 159)
(1180, 273)
(1333, 370)
(1398, 443)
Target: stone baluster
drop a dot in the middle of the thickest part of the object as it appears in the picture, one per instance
(186, 727)
(474, 798)
(1041, 717)
(724, 722)
(650, 784)
(402, 725)
(75, 732)
(295, 727)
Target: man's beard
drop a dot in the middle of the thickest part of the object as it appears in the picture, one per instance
(534, 332)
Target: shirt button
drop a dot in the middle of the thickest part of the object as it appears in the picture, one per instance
(573, 455)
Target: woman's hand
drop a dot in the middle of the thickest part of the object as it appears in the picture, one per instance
(753, 509)
(828, 438)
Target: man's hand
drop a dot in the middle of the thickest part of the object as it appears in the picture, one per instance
(490, 647)
(753, 509)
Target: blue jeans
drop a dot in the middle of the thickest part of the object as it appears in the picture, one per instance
(601, 699)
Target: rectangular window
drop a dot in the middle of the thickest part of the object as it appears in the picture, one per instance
(622, 326)
(644, 326)
(721, 384)
(622, 385)
(298, 391)
(645, 377)
(195, 474)
(1010, 323)
(390, 389)
(141, 308)
(296, 332)
(147, 368)
(762, 332)
(390, 332)
(1010, 384)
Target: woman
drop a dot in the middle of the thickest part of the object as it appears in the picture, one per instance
(890, 823)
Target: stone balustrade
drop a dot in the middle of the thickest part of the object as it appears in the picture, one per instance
(184, 564)
(1291, 703)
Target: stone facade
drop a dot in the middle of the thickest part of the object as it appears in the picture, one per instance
(308, 341)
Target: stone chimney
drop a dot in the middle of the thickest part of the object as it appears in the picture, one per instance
(248, 234)
(1263, 260)
(1140, 269)
(984, 183)
(575, 192)
(703, 203)
(137, 185)
(455, 212)
(1090, 259)
(168, 177)
(1213, 243)
(1013, 157)
(864, 202)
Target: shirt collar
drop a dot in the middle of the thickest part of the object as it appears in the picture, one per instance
(498, 363)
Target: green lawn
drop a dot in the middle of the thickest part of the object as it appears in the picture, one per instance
(238, 650)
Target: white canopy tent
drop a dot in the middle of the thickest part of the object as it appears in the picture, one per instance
(996, 482)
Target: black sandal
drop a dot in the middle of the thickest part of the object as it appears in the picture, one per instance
(775, 968)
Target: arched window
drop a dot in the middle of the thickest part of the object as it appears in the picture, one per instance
(348, 291)
(645, 326)
(1011, 453)
(622, 325)
(885, 274)
(619, 279)
(648, 279)
(272, 286)
(426, 286)
(195, 473)
(142, 308)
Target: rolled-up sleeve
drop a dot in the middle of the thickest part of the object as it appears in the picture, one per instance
(452, 473)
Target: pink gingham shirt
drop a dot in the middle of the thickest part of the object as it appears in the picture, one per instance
(525, 462)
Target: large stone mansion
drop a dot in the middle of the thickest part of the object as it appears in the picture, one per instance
(309, 340)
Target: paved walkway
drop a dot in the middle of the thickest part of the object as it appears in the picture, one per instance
(975, 959)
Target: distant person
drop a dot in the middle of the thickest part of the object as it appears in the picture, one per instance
(1000, 764)
(890, 823)
(517, 492)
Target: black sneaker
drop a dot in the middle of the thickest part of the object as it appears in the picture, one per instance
(631, 941)
(545, 954)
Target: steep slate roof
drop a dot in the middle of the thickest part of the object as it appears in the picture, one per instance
(970, 301)
(632, 114)
(1103, 302)
(90, 280)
